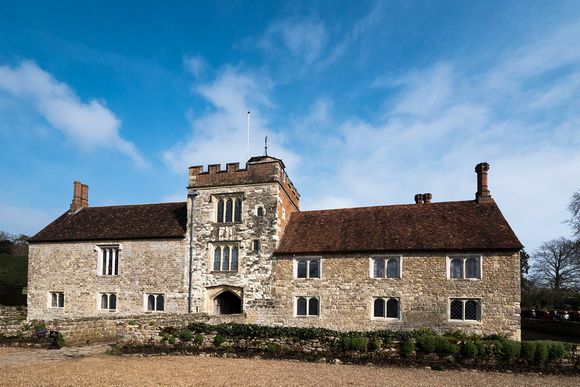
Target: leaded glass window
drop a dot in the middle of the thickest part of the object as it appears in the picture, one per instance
(456, 268)
(393, 268)
(379, 308)
(392, 308)
(302, 269)
(471, 268)
(301, 306)
(379, 268)
(456, 310)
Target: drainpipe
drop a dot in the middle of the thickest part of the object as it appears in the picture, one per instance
(192, 195)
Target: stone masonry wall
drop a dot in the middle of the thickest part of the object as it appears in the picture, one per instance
(251, 282)
(347, 293)
(149, 266)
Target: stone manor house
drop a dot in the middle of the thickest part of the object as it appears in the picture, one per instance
(241, 245)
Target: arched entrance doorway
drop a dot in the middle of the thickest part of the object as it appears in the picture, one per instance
(227, 303)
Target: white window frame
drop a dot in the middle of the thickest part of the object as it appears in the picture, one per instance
(478, 310)
(464, 258)
(386, 259)
(108, 294)
(225, 197)
(59, 296)
(308, 259)
(386, 300)
(112, 262)
(307, 315)
(221, 246)
(156, 306)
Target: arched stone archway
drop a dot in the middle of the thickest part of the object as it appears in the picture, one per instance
(227, 302)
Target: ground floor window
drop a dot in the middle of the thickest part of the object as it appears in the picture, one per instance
(386, 308)
(108, 301)
(465, 309)
(57, 299)
(307, 306)
(155, 302)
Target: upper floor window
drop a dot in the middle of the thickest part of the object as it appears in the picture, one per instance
(468, 266)
(386, 308)
(307, 306)
(108, 262)
(57, 299)
(260, 211)
(256, 245)
(229, 209)
(307, 268)
(155, 302)
(225, 258)
(108, 301)
(465, 309)
(386, 267)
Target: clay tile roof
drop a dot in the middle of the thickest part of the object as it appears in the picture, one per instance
(148, 221)
(447, 226)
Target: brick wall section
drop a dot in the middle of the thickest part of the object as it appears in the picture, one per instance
(149, 266)
(347, 293)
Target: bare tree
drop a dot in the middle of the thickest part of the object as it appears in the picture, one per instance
(574, 208)
(556, 264)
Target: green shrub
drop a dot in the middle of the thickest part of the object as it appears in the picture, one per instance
(272, 349)
(199, 339)
(186, 335)
(356, 343)
(374, 343)
(443, 345)
(511, 348)
(427, 343)
(438, 367)
(408, 346)
(556, 351)
(528, 351)
(40, 327)
(541, 355)
(469, 350)
(218, 340)
(171, 340)
(480, 348)
(456, 335)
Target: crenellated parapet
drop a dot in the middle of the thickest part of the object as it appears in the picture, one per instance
(259, 170)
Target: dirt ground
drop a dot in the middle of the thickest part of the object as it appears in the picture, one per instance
(89, 366)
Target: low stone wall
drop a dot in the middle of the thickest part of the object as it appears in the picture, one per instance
(8, 313)
(570, 328)
(89, 330)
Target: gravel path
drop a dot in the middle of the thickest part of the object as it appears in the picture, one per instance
(39, 367)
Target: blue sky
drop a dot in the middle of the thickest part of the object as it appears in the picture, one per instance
(367, 103)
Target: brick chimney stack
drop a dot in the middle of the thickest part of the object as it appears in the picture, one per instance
(80, 197)
(482, 195)
(84, 195)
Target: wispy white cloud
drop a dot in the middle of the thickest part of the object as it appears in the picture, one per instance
(89, 125)
(220, 134)
(297, 42)
(195, 64)
(520, 115)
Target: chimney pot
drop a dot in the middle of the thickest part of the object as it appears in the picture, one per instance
(418, 198)
(427, 198)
